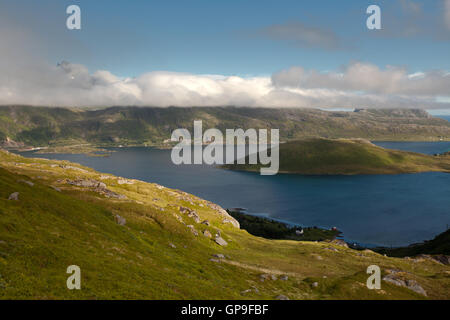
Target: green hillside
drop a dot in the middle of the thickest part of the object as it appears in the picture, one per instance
(439, 245)
(343, 156)
(65, 214)
(43, 127)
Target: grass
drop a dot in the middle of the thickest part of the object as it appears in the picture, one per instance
(46, 231)
(320, 156)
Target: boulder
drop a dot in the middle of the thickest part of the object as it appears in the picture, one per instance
(219, 256)
(284, 278)
(220, 241)
(120, 220)
(26, 182)
(87, 183)
(191, 227)
(124, 181)
(14, 196)
(442, 259)
(340, 242)
(281, 297)
(207, 234)
(55, 188)
(414, 286)
(394, 278)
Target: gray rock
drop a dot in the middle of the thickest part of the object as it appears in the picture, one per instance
(410, 284)
(87, 183)
(442, 259)
(219, 256)
(315, 284)
(31, 184)
(255, 289)
(263, 277)
(120, 220)
(206, 222)
(414, 286)
(339, 242)
(55, 188)
(14, 196)
(172, 245)
(207, 234)
(220, 241)
(124, 181)
(284, 278)
(191, 227)
(273, 277)
(281, 297)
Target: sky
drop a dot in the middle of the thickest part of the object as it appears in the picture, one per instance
(244, 53)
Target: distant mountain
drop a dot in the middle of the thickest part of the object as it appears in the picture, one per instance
(43, 126)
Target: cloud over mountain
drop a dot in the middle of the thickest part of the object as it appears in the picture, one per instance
(359, 85)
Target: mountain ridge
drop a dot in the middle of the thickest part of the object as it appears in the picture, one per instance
(151, 126)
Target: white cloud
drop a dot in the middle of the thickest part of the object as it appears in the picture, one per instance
(368, 78)
(26, 78)
(360, 85)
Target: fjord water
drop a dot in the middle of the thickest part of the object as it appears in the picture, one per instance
(370, 209)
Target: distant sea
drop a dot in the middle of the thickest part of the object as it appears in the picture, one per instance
(444, 117)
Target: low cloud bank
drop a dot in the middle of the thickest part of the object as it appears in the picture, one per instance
(359, 85)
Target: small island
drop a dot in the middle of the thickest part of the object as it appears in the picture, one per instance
(320, 156)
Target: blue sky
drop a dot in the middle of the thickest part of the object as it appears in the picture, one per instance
(285, 44)
(222, 37)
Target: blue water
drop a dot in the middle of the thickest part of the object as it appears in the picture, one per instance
(370, 209)
(444, 117)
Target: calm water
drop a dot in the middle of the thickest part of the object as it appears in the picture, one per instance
(383, 209)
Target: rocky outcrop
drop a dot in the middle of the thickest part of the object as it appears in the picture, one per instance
(31, 184)
(193, 230)
(398, 278)
(14, 196)
(98, 186)
(226, 217)
(207, 234)
(339, 242)
(124, 181)
(64, 166)
(8, 143)
(120, 220)
(190, 213)
(87, 183)
(220, 241)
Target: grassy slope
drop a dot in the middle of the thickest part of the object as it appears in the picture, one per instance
(46, 231)
(324, 156)
(41, 126)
